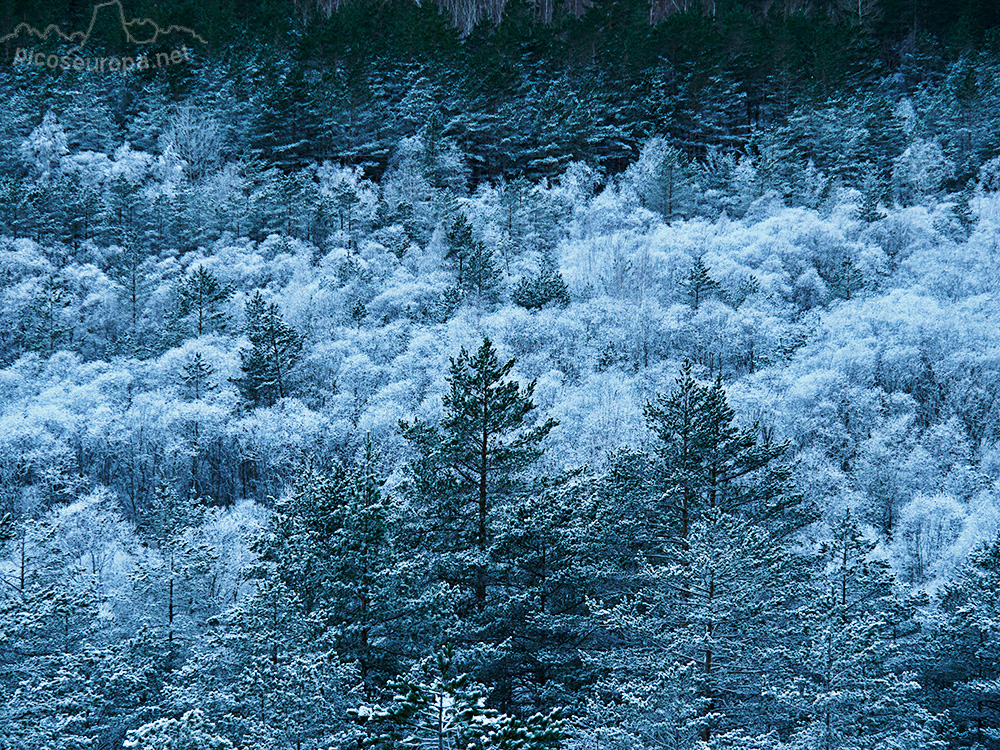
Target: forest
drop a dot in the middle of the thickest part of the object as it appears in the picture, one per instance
(606, 375)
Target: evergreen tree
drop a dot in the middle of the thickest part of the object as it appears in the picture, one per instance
(546, 288)
(962, 669)
(275, 347)
(962, 210)
(262, 679)
(48, 324)
(481, 273)
(192, 731)
(196, 377)
(698, 285)
(199, 296)
(713, 584)
(437, 709)
(329, 543)
(665, 184)
(872, 194)
(707, 462)
(461, 245)
(174, 578)
(129, 268)
(548, 559)
(469, 465)
(863, 692)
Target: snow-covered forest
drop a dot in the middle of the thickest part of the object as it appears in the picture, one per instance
(475, 378)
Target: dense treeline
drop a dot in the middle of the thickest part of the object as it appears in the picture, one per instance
(562, 381)
(521, 96)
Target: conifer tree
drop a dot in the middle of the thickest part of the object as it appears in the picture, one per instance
(275, 347)
(698, 284)
(470, 463)
(175, 578)
(857, 629)
(962, 667)
(329, 543)
(546, 288)
(196, 377)
(962, 210)
(713, 584)
(708, 462)
(441, 709)
(872, 193)
(477, 271)
(48, 326)
(199, 296)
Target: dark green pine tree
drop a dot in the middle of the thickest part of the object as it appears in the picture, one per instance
(462, 249)
(14, 208)
(329, 543)
(548, 560)
(48, 327)
(858, 630)
(872, 194)
(963, 665)
(668, 189)
(175, 582)
(275, 348)
(441, 709)
(260, 674)
(129, 268)
(718, 577)
(460, 244)
(481, 274)
(199, 298)
(469, 465)
(962, 211)
(547, 288)
(704, 459)
(698, 285)
(196, 378)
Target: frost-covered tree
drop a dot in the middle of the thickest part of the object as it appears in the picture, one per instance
(862, 689)
(963, 668)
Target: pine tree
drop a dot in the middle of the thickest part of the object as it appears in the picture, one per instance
(872, 194)
(196, 377)
(546, 288)
(192, 731)
(199, 296)
(470, 464)
(667, 187)
(962, 671)
(962, 210)
(129, 268)
(48, 325)
(439, 709)
(548, 560)
(260, 675)
(711, 586)
(857, 630)
(275, 347)
(481, 274)
(707, 462)
(461, 245)
(698, 284)
(329, 543)
(174, 576)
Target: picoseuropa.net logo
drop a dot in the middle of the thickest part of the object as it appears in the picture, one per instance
(35, 47)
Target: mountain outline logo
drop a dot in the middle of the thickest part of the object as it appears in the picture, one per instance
(80, 38)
